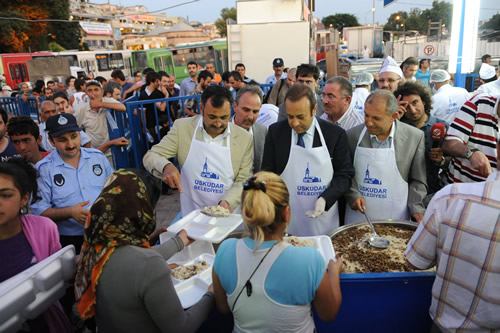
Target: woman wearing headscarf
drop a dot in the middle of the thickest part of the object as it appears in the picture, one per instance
(120, 279)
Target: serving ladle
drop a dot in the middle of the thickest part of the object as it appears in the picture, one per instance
(375, 240)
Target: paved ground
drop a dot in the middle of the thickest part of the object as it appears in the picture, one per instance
(167, 209)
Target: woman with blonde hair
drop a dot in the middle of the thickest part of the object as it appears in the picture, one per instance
(266, 283)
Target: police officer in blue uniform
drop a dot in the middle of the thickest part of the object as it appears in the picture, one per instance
(71, 178)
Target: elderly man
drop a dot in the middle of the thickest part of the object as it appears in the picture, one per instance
(459, 234)
(277, 94)
(246, 111)
(390, 75)
(215, 155)
(471, 140)
(336, 97)
(49, 108)
(308, 75)
(448, 99)
(312, 157)
(389, 160)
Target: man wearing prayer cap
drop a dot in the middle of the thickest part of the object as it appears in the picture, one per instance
(390, 75)
(363, 82)
(487, 73)
(448, 99)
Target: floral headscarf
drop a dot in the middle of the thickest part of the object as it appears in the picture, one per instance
(121, 215)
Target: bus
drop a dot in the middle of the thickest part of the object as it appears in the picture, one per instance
(100, 63)
(14, 67)
(174, 59)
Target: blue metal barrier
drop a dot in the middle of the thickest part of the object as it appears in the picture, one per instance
(132, 125)
(17, 107)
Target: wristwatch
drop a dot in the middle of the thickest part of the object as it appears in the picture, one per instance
(469, 152)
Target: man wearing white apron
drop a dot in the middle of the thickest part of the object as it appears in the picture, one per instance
(390, 179)
(215, 156)
(312, 157)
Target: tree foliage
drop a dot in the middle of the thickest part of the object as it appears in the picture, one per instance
(220, 23)
(339, 21)
(493, 23)
(418, 20)
(22, 36)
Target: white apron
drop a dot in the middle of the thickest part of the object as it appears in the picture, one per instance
(307, 174)
(207, 174)
(259, 313)
(380, 183)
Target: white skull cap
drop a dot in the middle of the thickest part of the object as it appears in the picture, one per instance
(390, 65)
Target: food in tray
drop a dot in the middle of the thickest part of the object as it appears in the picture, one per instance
(217, 211)
(172, 266)
(295, 241)
(184, 272)
(359, 257)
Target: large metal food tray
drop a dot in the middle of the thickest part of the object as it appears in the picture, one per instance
(387, 302)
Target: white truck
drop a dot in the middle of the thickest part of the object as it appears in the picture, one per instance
(357, 37)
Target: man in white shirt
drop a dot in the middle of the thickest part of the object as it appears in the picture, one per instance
(447, 100)
(366, 52)
(336, 96)
(362, 82)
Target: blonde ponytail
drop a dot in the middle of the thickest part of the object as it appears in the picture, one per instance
(264, 197)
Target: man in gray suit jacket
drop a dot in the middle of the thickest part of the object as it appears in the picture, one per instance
(397, 185)
(246, 111)
(309, 75)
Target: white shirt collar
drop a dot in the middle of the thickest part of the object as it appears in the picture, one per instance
(219, 139)
(391, 134)
(250, 130)
(308, 136)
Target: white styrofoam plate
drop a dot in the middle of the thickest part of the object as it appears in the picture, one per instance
(203, 227)
(324, 245)
(191, 290)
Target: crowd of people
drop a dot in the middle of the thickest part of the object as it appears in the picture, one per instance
(292, 157)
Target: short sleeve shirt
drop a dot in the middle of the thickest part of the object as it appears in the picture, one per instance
(60, 185)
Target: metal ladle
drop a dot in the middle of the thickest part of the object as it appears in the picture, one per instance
(375, 240)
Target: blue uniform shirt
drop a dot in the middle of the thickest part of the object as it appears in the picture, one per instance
(60, 185)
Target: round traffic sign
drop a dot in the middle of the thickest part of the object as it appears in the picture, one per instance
(429, 50)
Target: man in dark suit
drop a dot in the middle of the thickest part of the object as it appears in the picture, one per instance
(312, 156)
(308, 75)
(246, 111)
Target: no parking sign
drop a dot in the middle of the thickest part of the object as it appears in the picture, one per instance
(429, 50)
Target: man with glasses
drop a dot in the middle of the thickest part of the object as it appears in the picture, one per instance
(336, 97)
(390, 76)
(309, 75)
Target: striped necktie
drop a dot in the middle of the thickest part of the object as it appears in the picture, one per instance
(300, 140)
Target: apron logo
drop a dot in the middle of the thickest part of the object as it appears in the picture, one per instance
(97, 169)
(368, 180)
(206, 174)
(308, 179)
(59, 180)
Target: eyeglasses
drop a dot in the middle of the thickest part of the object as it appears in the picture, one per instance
(388, 80)
(327, 96)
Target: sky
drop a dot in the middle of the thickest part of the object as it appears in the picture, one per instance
(209, 10)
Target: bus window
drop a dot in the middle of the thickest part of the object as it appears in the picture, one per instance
(157, 64)
(24, 75)
(12, 73)
(18, 73)
(73, 61)
(116, 61)
(141, 60)
(102, 62)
